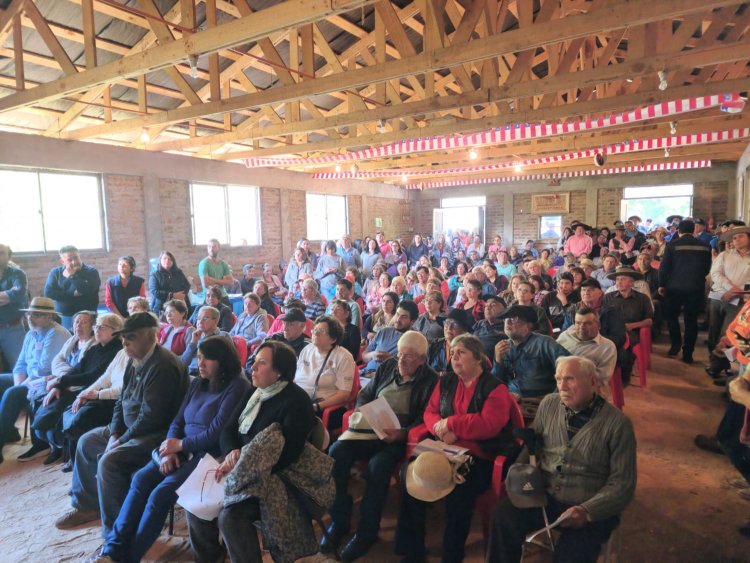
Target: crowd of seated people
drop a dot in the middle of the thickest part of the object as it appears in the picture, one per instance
(453, 334)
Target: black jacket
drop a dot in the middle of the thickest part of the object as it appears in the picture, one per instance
(685, 264)
(425, 379)
(94, 362)
(163, 283)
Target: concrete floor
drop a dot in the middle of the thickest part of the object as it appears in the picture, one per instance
(683, 510)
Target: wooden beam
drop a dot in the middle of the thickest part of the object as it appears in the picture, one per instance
(18, 53)
(261, 24)
(6, 18)
(50, 40)
(89, 33)
(187, 15)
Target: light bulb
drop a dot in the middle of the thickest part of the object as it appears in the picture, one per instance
(354, 169)
(473, 155)
(144, 136)
(662, 80)
(518, 168)
(338, 168)
(666, 152)
(193, 62)
(672, 128)
(404, 178)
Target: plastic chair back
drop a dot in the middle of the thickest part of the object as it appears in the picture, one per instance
(241, 345)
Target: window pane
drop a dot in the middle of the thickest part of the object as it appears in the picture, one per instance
(20, 223)
(664, 191)
(658, 208)
(336, 216)
(244, 218)
(550, 226)
(316, 217)
(209, 214)
(72, 210)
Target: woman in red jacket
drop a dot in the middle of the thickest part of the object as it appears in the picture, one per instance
(172, 333)
(471, 409)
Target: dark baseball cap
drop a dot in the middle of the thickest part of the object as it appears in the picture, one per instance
(591, 282)
(523, 312)
(525, 486)
(294, 315)
(137, 321)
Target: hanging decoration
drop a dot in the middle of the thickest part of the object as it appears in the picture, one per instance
(656, 167)
(509, 133)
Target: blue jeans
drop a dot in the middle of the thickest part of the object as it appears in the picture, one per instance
(101, 481)
(13, 399)
(11, 342)
(381, 460)
(144, 511)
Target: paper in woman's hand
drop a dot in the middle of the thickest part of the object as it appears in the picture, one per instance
(200, 494)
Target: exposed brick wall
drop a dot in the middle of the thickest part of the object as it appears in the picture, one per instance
(354, 204)
(526, 223)
(608, 206)
(711, 200)
(494, 217)
(397, 216)
(297, 217)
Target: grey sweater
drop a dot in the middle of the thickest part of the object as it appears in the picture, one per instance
(597, 468)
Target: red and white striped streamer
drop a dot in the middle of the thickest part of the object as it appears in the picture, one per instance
(620, 148)
(509, 133)
(657, 167)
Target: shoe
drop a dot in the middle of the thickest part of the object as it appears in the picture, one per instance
(329, 543)
(714, 373)
(708, 443)
(355, 548)
(67, 467)
(687, 358)
(737, 483)
(13, 436)
(673, 351)
(744, 493)
(76, 517)
(55, 454)
(99, 557)
(33, 453)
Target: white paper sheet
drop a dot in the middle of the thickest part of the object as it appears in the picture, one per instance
(200, 494)
(429, 445)
(380, 416)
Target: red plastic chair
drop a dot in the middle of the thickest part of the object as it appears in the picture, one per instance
(646, 340)
(234, 319)
(642, 358)
(421, 308)
(336, 432)
(615, 385)
(445, 290)
(241, 344)
(277, 308)
(552, 271)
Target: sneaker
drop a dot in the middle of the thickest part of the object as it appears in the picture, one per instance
(673, 351)
(33, 453)
(708, 443)
(54, 456)
(67, 467)
(99, 557)
(76, 517)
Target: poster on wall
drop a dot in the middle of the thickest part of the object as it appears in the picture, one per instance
(550, 203)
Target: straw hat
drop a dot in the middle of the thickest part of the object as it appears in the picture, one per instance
(41, 305)
(625, 271)
(727, 236)
(430, 477)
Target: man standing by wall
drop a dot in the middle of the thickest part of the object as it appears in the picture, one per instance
(212, 270)
(682, 279)
(74, 286)
(13, 297)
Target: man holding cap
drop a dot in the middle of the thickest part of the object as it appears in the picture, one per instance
(526, 361)
(154, 385)
(406, 383)
(588, 464)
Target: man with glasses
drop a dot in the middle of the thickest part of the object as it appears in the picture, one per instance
(30, 373)
(153, 388)
(74, 286)
(405, 382)
(13, 297)
(207, 325)
(384, 345)
(526, 361)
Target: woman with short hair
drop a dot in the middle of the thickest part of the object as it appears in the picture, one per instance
(214, 299)
(123, 286)
(167, 282)
(330, 268)
(314, 305)
(298, 266)
(383, 316)
(253, 322)
(173, 333)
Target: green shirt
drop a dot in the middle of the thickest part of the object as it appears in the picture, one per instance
(215, 270)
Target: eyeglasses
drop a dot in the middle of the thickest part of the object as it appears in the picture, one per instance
(319, 331)
(35, 314)
(101, 326)
(407, 357)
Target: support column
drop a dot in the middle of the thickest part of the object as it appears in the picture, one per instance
(152, 215)
(508, 219)
(286, 236)
(592, 206)
(366, 227)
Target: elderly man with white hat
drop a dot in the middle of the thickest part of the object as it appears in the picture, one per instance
(405, 383)
(587, 457)
(34, 365)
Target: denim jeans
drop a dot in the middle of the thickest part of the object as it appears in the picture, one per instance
(144, 511)
(48, 420)
(381, 460)
(11, 342)
(13, 399)
(102, 480)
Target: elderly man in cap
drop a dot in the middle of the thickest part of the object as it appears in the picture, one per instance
(700, 231)
(293, 334)
(635, 307)
(74, 286)
(682, 282)
(491, 329)
(730, 277)
(588, 463)
(30, 373)
(13, 297)
(526, 361)
(583, 339)
(579, 243)
(153, 388)
(405, 383)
